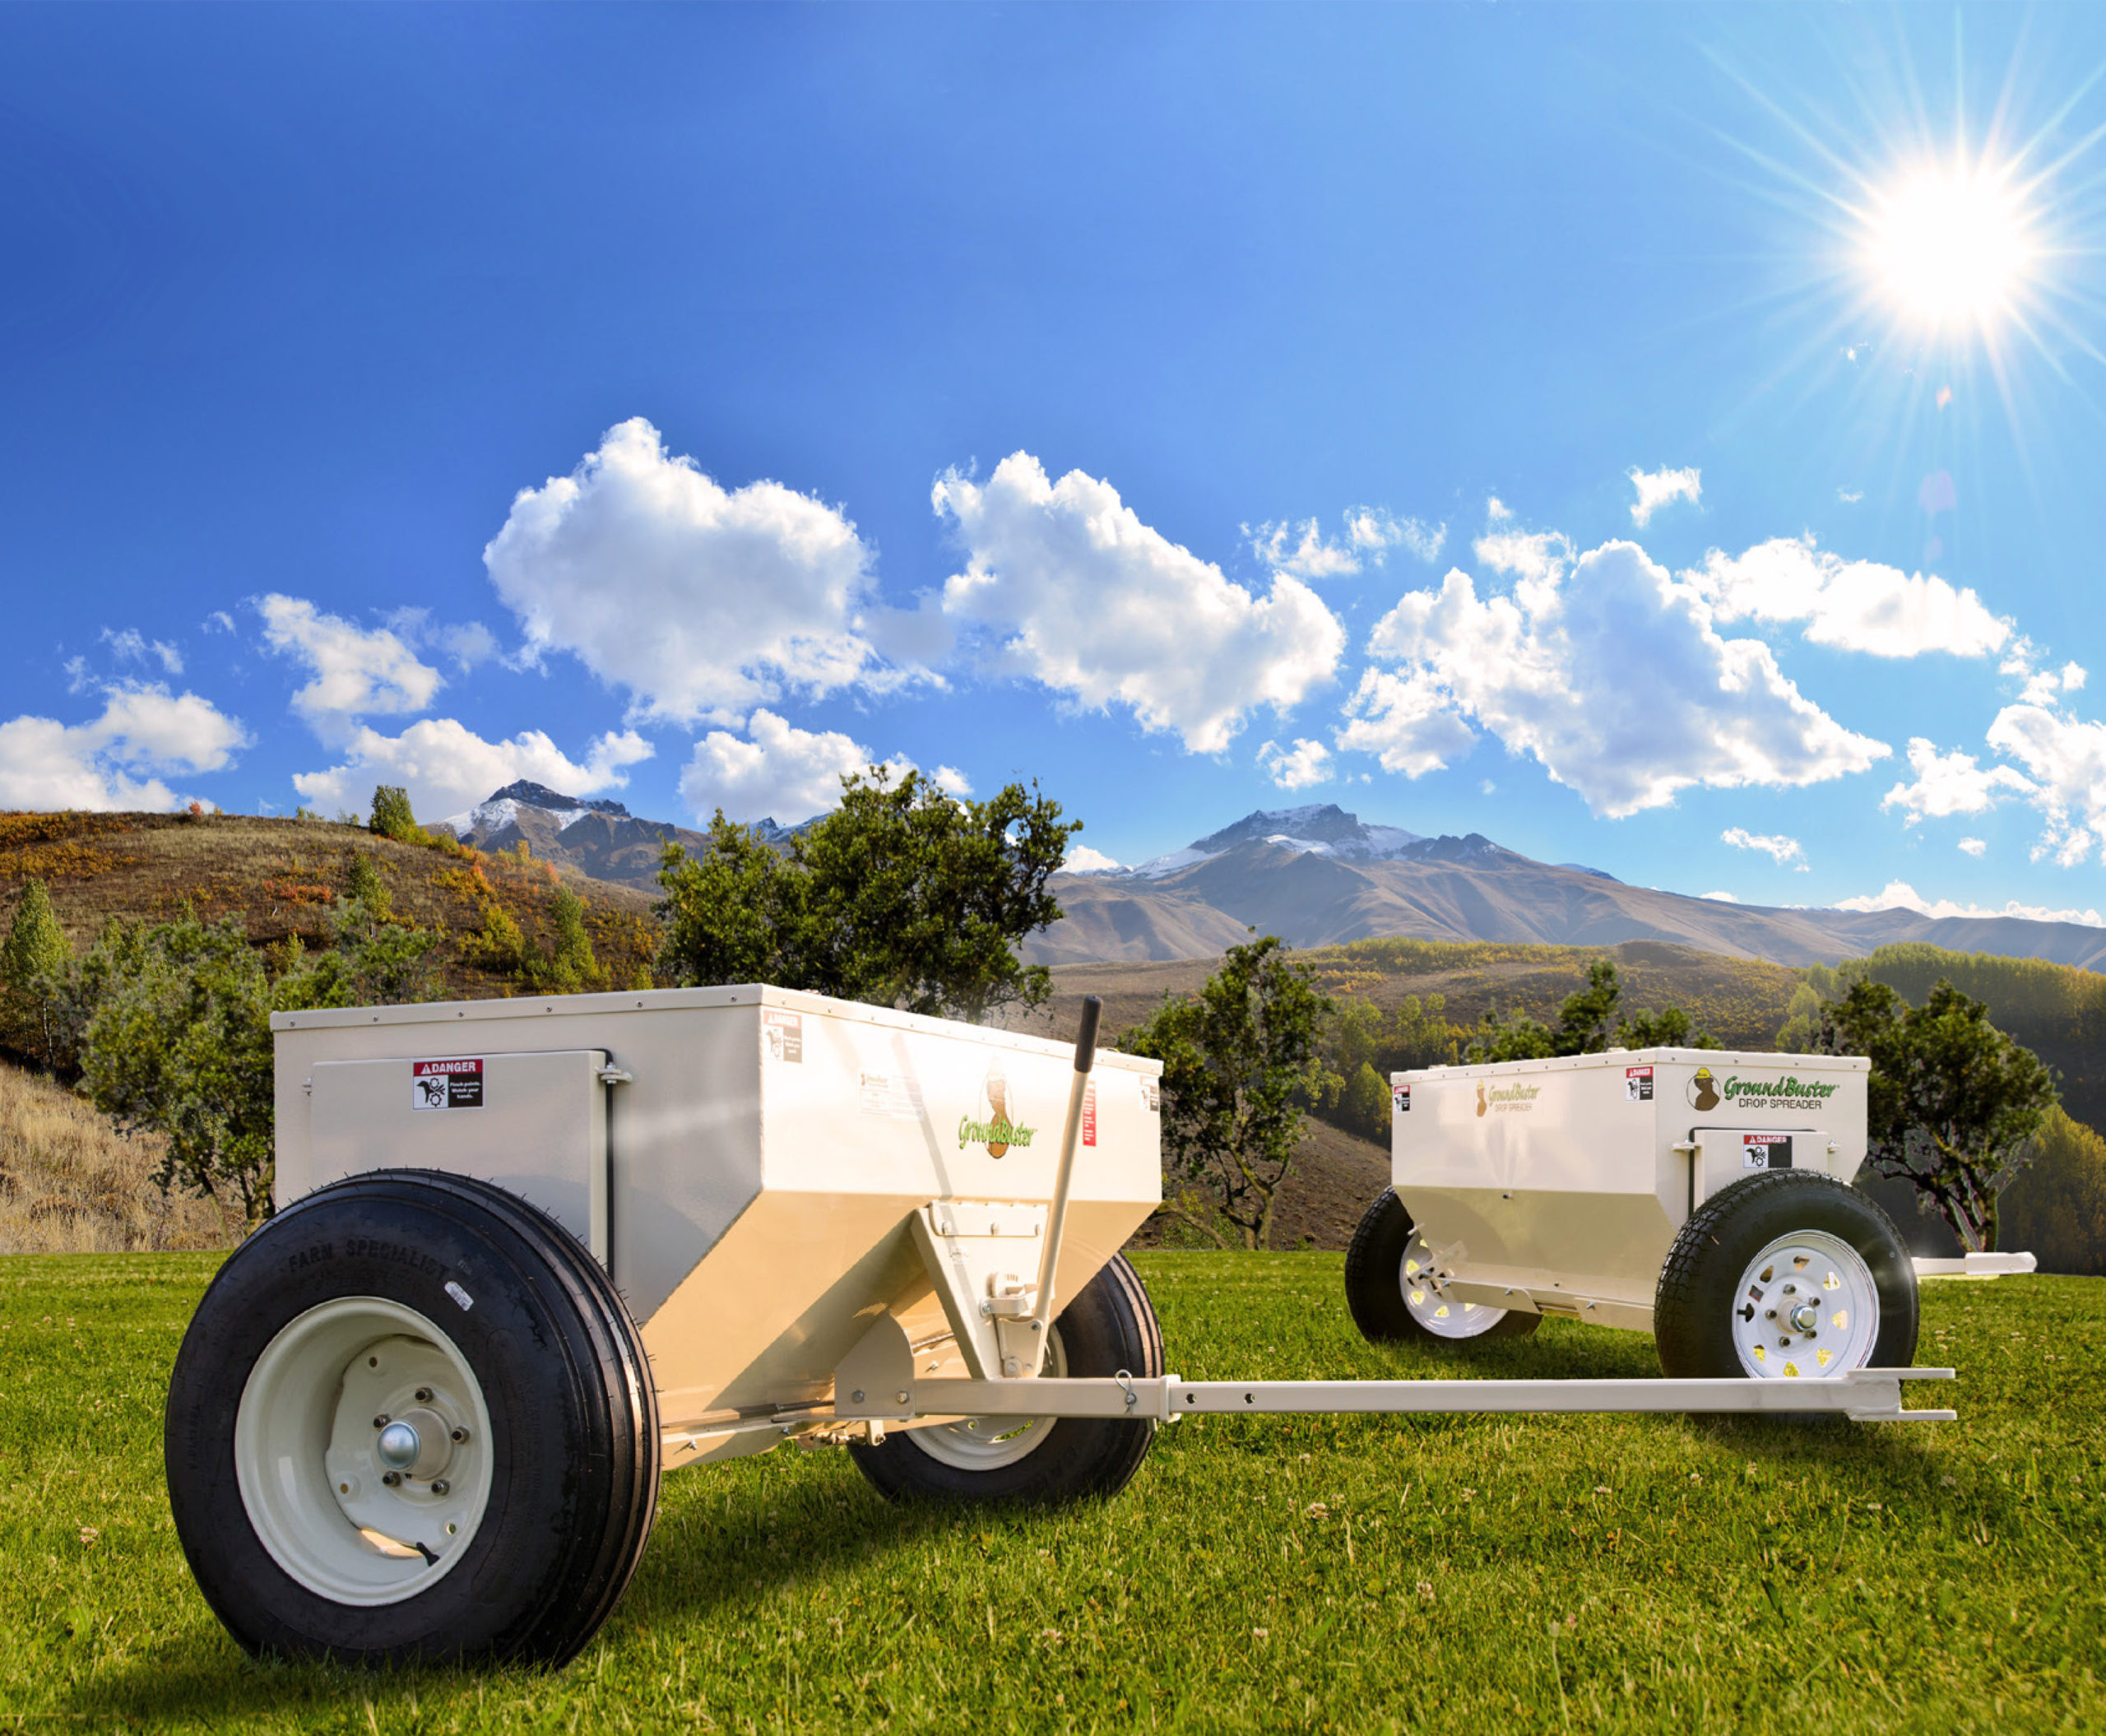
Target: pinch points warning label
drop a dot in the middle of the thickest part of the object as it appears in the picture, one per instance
(447, 1084)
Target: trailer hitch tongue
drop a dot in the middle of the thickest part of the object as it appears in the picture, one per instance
(1056, 1219)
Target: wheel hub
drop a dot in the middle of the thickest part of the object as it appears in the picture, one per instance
(1807, 1309)
(1442, 1315)
(361, 1447)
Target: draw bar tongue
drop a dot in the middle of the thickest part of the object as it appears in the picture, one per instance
(1049, 1257)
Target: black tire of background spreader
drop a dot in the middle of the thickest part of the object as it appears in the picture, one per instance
(1109, 1325)
(1375, 1288)
(573, 1416)
(1699, 1283)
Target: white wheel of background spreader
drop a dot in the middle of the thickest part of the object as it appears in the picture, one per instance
(987, 1443)
(362, 1450)
(1808, 1309)
(1391, 1290)
(1440, 1316)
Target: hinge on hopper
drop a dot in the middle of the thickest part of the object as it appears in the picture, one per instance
(978, 1256)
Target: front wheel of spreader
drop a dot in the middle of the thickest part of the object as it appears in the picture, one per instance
(1109, 1328)
(1785, 1275)
(412, 1419)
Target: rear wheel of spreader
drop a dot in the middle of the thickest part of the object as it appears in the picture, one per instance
(1391, 1290)
(412, 1419)
(1785, 1275)
(1109, 1329)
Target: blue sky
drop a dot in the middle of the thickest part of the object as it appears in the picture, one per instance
(1569, 425)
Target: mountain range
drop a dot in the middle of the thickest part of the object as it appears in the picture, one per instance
(1318, 875)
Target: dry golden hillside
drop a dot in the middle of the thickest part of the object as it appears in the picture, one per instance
(280, 876)
(69, 1183)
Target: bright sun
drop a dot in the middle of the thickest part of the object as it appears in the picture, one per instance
(1950, 245)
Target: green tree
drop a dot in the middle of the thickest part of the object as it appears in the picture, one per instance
(903, 896)
(392, 817)
(2057, 1207)
(1238, 1062)
(565, 964)
(1954, 1104)
(1587, 1023)
(34, 961)
(179, 1044)
(379, 959)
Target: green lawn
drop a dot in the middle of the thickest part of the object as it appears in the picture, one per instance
(1451, 1575)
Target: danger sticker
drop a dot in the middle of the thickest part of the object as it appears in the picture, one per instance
(1765, 1151)
(1638, 1085)
(1151, 1096)
(1400, 1098)
(445, 1085)
(784, 1033)
(1089, 1114)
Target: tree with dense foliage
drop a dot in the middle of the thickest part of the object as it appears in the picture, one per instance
(2056, 1209)
(1955, 1103)
(379, 959)
(1362, 1045)
(34, 960)
(179, 1044)
(393, 817)
(1239, 1061)
(1588, 1023)
(904, 896)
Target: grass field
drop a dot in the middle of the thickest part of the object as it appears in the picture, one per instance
(1452, 1574)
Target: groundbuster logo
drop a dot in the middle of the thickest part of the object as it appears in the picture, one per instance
(1707, 1091)
(995, 1127)
(1506, 1099)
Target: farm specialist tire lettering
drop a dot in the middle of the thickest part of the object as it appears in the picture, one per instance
(572, 1457)
(1110, 1326)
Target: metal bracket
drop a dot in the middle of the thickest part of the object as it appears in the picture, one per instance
(614, 1075)
(976, 1255)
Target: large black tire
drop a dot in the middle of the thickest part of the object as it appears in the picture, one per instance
(1704, 1305)
(1109, 1327)
(538, 1338)
(1379, 1291)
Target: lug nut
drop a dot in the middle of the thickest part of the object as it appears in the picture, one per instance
(458, 1436)
(380, 1421)
(439, 1485)
(424, 1395)
(391, 1477)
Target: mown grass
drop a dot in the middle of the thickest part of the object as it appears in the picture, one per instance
(1485, 1574)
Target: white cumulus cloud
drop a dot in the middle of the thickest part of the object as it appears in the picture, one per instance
(115, 761)
(1613, 677)
(1784, 851)
(1371, 528)
(2065, 766)
(1657, 488)
(1301, 549)
(1080, 595)
(131, 646)
(1852, 604)
(1947, 784)
(1081, 859)
(1900, 895)
(701, 602)
(355, 672)
(779, 772)
(1407, 722)
(447, 768)
(1295, 767)
(1974, 846)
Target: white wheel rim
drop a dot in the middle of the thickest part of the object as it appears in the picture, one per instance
(1442, 1315)
(307, 1453)
(988, 1443)
(1806, 1309)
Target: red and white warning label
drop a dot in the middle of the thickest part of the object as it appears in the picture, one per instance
(1089, 1113)
(1765, 1151)
(1638, 1085)
(447, 1084)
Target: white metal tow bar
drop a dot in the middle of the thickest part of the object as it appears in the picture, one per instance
(1864, 1396)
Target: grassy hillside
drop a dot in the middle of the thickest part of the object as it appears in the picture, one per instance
(1524, 1573)
(282, 876)
(68, 1183)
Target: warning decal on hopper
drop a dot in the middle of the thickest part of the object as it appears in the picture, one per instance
(447, 1084)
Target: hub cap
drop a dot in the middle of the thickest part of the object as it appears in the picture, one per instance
(1806, 1309)
(988, 1443)
(1440, 1315)
(362, 1451)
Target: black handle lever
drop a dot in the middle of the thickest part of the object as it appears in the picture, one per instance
(1085, 1041)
